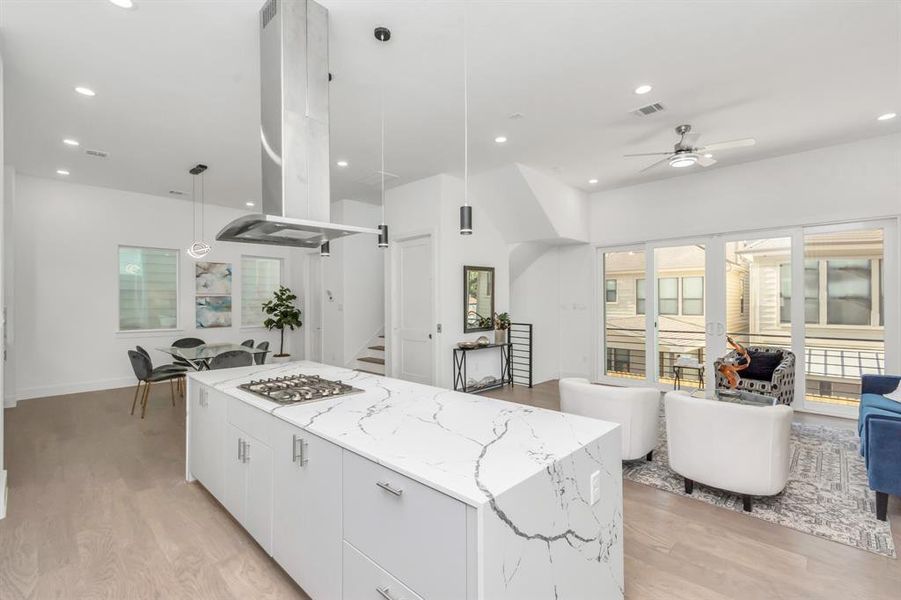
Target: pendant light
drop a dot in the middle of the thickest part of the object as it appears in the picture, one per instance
(324, 250)
(383, 34)
(199, 248)
(466, 209)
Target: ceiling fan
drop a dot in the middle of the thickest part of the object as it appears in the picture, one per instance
(686, 154)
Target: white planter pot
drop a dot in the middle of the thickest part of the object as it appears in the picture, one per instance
(280, 359)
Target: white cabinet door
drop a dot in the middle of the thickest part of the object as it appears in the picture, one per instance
(258, 502)
(207, 425)
(234, 492)
(306, 538)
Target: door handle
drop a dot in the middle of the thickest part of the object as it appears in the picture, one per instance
(389, 488)
(385, 592)
(240, 450)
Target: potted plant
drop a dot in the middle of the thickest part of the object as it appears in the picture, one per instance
(501, 325)
(281, 313)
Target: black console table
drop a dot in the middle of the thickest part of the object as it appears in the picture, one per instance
(460, 368)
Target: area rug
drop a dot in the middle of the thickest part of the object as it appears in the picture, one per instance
(827, 493)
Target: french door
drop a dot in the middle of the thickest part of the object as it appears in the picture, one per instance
(829, 294)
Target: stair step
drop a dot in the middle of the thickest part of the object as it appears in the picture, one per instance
(379, 347)
(375, 361)
(370, 372)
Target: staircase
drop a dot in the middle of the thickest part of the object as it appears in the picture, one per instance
(372, 358)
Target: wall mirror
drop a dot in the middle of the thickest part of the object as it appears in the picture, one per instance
(478, 299)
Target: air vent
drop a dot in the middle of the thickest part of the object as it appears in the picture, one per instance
(650, 109)
(97, 153)
(375, 179)
(269, 11)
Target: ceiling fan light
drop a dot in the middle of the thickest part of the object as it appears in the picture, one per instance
(680, 161)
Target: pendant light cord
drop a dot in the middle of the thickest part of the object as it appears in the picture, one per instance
(202, 208)
(382, 135)
(194, 206)
(465, 115)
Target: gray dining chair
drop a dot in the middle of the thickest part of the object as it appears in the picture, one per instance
(232, 358)
(248, 343)
(188, 342)
(144, 372)
(260, 357)
(167, 368)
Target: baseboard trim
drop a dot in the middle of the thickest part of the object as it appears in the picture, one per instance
(74, 388)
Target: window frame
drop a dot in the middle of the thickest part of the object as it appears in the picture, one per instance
(643, 297)
(682, 296)
(607, 291)
(822, 298)
(160, 330)
(281, 281)
(676, 298)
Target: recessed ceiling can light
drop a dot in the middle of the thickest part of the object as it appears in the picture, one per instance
(500, 139)
(249, 204)
(643, 89)
(84, 91)
(592, 181)
(708, 155)
(62, 172)
(71, 142)
(886, 117)
(341, 163)
(123, 3)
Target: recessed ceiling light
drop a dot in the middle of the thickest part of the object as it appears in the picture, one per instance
(62, 172)
(886, 117)
(123, 3)
(592, 181)
(71, 142)
(500, 139)
(249, 204)
(643, 89)
(85, 91)
(341, 163)
(708, 155)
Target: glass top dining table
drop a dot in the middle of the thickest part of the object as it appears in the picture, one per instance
(200, 356)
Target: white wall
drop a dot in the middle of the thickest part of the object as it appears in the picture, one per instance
(844, 182)
(535, 298)
(66, 282)
(432, 205)
(355, 274)
(3, 231)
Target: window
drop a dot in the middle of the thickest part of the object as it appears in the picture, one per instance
(811, 292)
(668, 295)
(692, 295)
(260, 277)
(639, 296)
(849, 293)
(611, 290)
(148, 288)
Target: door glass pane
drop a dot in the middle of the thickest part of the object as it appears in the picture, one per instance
(847, 339)
(680, 325)
(758, 292)
(624, 322)
(811, 292)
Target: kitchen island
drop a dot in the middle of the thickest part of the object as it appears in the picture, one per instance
(406, 491)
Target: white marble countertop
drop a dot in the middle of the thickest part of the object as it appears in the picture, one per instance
(470, 447)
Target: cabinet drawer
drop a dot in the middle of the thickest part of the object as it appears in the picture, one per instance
(250, 420)
(365, 580)
(414, 532)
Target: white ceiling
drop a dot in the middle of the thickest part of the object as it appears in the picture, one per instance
(177, 84)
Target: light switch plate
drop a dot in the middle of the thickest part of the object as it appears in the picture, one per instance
(595, 487)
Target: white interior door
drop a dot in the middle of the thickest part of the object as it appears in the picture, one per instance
(413, 314)
(314, 309)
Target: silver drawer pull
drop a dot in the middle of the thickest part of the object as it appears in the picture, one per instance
(294, 452)
(385, 592)
(246, 452)
(240, 450)
(389, 488)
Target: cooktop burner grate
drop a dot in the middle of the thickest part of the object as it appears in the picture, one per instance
(292, 389)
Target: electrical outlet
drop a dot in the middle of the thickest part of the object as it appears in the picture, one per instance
(595, 487)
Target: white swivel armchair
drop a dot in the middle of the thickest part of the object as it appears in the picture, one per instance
(735, 447)
(635, 409)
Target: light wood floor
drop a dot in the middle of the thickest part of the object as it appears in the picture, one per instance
(98, 508)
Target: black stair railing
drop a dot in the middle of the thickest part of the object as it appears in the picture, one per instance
(521, 353)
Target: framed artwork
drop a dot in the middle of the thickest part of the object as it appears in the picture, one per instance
(213, 279)
(213, 311)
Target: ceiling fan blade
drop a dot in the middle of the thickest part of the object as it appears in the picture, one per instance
(706, 162)
(651, 166)
(729, 145)
(649, 154)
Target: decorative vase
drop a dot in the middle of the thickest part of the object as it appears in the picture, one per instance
(500, 336)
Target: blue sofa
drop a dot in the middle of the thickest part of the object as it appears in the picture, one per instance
(879, 426)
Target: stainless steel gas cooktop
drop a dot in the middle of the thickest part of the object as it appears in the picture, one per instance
(298, 388)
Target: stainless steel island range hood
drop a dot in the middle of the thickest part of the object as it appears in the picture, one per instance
(294, 132)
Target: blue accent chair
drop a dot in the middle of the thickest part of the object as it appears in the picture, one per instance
(879, 426)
